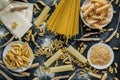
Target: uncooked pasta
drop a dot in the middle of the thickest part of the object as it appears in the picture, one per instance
(100, 55)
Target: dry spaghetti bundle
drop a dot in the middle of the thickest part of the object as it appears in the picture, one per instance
(65, 19)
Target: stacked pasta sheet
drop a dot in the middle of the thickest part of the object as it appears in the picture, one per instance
(65, 19)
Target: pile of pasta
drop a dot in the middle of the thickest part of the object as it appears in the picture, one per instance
(18, 56)
(96, 13)
(65, 19)
(100, 55)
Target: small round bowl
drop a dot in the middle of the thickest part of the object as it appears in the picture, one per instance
(110, 15)
(8, 47)
(98, 66)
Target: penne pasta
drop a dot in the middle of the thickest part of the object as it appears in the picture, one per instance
(18, 56)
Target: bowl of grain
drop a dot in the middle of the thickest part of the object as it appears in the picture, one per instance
(18, 56)
(96, 14)
(100, 56)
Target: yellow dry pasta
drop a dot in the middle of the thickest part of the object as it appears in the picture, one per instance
(18, 56)
(61, 22)
(36, 6)
(75, 53)
(104, 76)
(62, 68)
(42, 3)
(53, 58)
(42, 16)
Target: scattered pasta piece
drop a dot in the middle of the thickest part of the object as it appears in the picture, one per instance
(115, 78)
(117, 35)
(104, 76)
(61, 68)
(116, 65)
(111, 29)
(42, 3)
(36, 6)
(75, 53)
(15, 25)
(39, 21)
(115, 48)
(116, 2)
(53, 58)
(115, 69)
(60, 77)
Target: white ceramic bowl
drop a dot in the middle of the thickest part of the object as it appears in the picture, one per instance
(98, 66)
(8, 47)
(110, 15)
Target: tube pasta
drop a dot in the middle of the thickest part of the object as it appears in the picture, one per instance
(42, 16)
(61, 68)
(53, 58)
(75, 53)
(104, 76)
